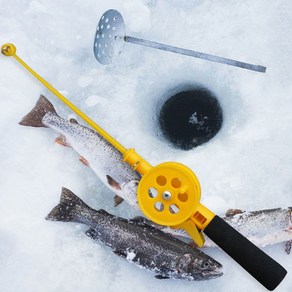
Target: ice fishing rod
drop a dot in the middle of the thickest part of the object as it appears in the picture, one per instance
(169, 194)
(111, 37)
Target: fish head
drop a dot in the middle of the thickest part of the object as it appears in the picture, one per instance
(198, 266)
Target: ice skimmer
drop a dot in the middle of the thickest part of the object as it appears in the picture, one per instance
(111, 36)
(169, 194)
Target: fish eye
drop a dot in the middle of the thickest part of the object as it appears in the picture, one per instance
(206, 264)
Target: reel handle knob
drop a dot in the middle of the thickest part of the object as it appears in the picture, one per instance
(262, 267)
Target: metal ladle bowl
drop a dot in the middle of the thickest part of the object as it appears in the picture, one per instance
(109, 37)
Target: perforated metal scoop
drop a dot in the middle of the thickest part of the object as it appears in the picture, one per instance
(111, 36)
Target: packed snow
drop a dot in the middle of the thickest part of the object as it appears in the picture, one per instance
(248, 165)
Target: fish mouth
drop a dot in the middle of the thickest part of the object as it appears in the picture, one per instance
(212, 274)
(200, 275)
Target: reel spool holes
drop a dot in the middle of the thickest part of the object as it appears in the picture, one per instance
(173, 193)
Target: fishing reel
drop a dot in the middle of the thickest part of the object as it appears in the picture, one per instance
(173, 199)
(169, 194)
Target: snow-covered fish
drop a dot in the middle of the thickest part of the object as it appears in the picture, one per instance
(138, 242)
(94, 150)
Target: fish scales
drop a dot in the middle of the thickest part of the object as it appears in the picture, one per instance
(261, 227)
(93, 147)
(104, 159)
(138, 242)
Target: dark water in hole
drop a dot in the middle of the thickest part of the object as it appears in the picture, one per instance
(190, 118)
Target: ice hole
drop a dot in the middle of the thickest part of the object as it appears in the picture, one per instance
(190, 118)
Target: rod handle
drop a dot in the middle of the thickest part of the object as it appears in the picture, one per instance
(262, 267)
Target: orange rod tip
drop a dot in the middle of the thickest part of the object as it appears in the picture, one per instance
(8, 50)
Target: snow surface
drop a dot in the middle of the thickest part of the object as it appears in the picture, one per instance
(248, 165)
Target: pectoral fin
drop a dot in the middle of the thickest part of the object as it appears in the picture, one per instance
(120, 253)
(161, 277)
(61, 140)
(84, 161)
(92, 233)
(118, 200)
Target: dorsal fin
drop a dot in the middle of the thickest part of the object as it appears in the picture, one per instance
(104, 212)
(73, 121)
(232, 212)
(140, 220)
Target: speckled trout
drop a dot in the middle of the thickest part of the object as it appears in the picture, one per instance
(261, 227)
(95, 152)
(138, 242)
(264, 227)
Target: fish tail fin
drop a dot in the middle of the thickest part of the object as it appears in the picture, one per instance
(35, 116)
(70, 209)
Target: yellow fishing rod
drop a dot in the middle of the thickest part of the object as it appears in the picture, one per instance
(169, 194)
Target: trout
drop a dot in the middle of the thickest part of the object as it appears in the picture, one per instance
(138, 242)
(104, 159)
(261, 227)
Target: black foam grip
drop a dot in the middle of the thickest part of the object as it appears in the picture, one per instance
(262, 267)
